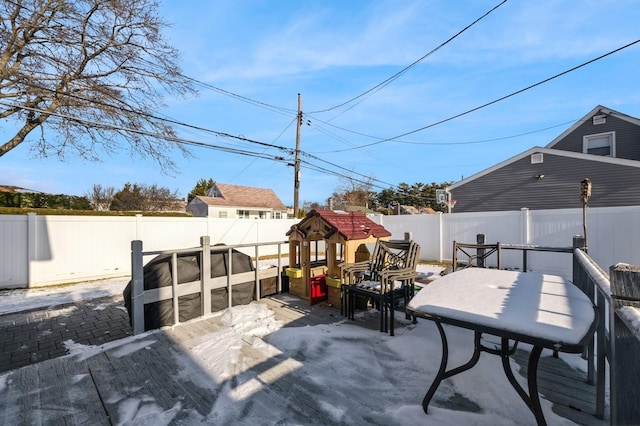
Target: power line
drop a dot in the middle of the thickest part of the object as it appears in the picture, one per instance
(124, 107)
(407, 68)
(395, 188)
(197, 143)
(191, 142)
(472, 142)
(308, 165)
(252, 162)
(319, 168)
(162, 136)
(517, 92)
(265, 105)
(147, 115)
(351, 172)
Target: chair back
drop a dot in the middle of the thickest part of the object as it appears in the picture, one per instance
(387, 255)
(466, 255)
(395, 254)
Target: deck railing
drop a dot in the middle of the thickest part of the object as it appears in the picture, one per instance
(141, 297)
(594, 282)
(527, 248)
(624, 353)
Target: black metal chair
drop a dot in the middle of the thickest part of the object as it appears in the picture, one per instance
(392, 262)
(475, 255)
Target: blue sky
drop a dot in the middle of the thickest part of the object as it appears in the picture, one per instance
(333, 51)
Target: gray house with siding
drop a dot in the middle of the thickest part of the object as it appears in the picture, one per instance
(603, 146)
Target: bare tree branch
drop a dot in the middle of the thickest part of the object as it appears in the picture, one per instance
(99, 61)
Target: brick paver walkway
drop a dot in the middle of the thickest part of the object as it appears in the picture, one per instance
(32, 336)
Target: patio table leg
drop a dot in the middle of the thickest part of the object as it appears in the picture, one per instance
(532, 378)
(532, 399)
(443, 367)
(442, 372)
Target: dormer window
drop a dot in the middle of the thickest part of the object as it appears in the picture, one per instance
(600, 144)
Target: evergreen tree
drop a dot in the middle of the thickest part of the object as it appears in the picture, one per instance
(201, 188)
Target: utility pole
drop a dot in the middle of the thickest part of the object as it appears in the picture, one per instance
(296, 172)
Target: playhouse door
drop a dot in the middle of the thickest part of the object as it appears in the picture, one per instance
(318, 289)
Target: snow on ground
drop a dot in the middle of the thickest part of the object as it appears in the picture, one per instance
(46, 297)
(353, 375)
(344, 363)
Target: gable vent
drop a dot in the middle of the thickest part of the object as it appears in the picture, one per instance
(599, 119)
(536, 158)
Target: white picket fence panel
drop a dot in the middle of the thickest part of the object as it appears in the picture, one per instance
(46, 250)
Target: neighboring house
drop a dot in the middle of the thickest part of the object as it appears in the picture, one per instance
(603, 146)
(362, 209)
(401, 209)
(11, 188)
(427, 210)
(412, 210)
(233, 201)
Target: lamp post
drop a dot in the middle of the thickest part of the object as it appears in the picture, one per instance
(585, 193)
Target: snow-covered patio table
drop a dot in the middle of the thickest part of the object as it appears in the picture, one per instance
(546, 311)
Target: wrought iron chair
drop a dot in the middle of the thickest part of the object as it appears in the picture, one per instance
(475, 255)
(392, 263)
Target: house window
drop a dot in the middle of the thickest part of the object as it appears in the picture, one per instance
(277, 215)
(222, 215)
(601, 144)
(243, 214)
(262, 215)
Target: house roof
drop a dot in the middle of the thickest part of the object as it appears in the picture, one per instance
(243, 196)
(350, 225)
(362, 209)
(596, 111)
(549, 151)
(11, 188)
(405, 209)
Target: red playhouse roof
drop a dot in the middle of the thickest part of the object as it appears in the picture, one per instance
(351, 225)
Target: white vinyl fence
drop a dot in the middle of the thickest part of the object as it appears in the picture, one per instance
(46, 250)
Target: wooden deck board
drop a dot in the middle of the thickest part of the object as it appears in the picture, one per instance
(68, 394)
(565, 386)
(57, 390)
(153, 373)
(148, 377)
(20, 402)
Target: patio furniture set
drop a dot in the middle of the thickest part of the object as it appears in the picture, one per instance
(542, 310)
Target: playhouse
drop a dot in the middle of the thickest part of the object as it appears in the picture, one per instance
(341, 237)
